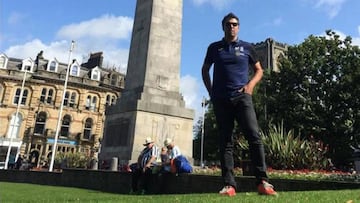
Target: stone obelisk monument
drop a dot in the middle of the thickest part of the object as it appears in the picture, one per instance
(151, 104)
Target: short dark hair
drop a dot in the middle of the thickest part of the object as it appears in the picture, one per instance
(227, 17)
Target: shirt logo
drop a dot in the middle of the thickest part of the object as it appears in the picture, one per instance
(239, 51)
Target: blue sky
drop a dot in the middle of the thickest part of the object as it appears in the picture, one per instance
(26, 27)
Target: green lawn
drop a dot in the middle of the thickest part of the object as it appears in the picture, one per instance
(19, 192)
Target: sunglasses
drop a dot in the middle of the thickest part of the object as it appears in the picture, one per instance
(228, 24)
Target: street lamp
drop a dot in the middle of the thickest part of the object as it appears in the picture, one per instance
(14, 120)
(61, 109)
(203, 105)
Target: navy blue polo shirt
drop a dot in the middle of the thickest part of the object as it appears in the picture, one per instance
(231, 66)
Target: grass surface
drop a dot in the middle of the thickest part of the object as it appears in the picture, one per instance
(21, 192)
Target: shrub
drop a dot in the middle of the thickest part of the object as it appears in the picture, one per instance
(72, 160)
(284, 150)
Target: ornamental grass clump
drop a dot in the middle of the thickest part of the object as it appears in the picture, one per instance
(284, 150)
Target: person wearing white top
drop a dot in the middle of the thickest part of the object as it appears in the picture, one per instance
(146, 161)
(173, 150)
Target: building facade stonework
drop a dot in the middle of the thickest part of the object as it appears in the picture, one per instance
(269, 52)
(32, 125)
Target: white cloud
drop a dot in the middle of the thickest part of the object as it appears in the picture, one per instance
(217, 4)
(107, 26)
(277, 21)
(189, 88)
(332, 7)
(109, 34)
(356, 40)
(15, 18)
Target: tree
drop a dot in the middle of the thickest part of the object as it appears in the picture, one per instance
(316, 92)
(211, 152)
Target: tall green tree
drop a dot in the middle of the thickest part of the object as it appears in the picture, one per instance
(317, 92)
(211, 151)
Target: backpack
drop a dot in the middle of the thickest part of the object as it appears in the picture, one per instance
(182, 165)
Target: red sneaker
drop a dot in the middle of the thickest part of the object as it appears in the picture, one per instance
(228, 191)
(265, 188)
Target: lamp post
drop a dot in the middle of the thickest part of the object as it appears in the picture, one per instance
(61, 110)
(203, 105)
(14, 120)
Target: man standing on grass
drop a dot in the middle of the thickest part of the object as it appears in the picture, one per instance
(231, 95)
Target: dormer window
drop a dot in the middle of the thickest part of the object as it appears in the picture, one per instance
(27, 65)
(3, 61)
(114, 79)
(52, 66)
(95, 74)
(74, 70)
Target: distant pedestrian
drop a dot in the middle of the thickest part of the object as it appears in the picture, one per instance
(146, 161)
(173, 152)
(18, 162)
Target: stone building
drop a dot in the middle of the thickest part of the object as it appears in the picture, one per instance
(269, 52)
(33, 125)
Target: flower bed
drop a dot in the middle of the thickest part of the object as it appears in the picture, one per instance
(304, 174)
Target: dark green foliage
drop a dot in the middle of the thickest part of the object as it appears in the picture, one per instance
(316, 93)
(71, 160)
(211, 148)
(285, 150)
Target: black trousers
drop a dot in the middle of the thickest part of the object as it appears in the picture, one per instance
(141, 179)
(241, 110)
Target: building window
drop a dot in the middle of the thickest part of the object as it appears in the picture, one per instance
(43, 95)
(70, 99)
(87, 128)
(65, 126)
(74, 70)
(40, 123)
(66, 99)
(14, 127)
(52, 66)
(114, 79)
(3, 61)
(47, 96)
(91, 102)
(88, 101)
(27, 65)
(1, 93)
(113, 100)
(108, 102)
(17, 96)
(95, 74)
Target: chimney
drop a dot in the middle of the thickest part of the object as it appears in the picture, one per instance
(95, 59)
